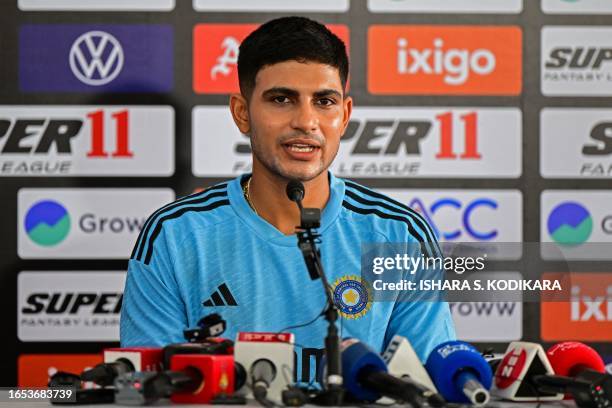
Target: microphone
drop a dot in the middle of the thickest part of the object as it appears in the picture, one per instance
(295, 191)
(210, 345)
(118, 361)
(262, 373)
(515, 374)
(209, 376)
(366, 378)
(581, 372)
(310, 220)
(402, 361)
(460, 373)
(63, 379)
(268, 360)
(570, 358)
(191, 379)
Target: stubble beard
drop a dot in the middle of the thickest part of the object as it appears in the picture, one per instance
(274, 165)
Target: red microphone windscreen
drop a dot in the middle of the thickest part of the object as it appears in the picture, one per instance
(571, 357)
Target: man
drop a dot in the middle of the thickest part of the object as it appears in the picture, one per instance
(232, 249)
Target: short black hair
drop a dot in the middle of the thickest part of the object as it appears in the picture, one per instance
(286, 39)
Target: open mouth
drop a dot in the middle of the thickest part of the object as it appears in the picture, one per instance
(301, 149)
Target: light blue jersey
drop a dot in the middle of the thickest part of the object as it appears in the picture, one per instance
(210, 253)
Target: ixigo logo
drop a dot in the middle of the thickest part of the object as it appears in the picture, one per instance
(586, 307)
(455, 64)
(588, 313)
(472, 60)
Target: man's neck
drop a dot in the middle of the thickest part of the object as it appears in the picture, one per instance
(268, 195)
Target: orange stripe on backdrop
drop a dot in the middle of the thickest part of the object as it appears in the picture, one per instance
(34, 370)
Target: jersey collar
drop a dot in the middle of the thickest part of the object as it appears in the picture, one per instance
(266, 230)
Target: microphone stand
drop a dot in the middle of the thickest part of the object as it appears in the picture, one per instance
(310, 219)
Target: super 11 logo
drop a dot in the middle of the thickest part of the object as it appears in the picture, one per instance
(60, 132)
(121, 119)
(470, 150)
(410, 133)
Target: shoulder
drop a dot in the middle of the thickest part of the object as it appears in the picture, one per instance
(394, 219)
(168, 224)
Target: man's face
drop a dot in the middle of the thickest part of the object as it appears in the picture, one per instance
(297, 115)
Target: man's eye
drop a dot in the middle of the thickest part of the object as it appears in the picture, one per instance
(281, 99)
(326, 102)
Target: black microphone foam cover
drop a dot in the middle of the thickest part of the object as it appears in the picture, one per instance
(295, 190)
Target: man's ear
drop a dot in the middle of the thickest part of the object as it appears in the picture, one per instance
(348, 108)
(240, 112)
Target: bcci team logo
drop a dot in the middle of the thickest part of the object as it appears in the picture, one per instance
(352, 297)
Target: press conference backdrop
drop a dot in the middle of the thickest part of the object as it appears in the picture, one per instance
(493, 118)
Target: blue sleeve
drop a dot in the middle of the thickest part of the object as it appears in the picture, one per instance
(425, 323)
(153, 312)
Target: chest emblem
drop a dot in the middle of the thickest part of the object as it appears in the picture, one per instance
(351, 297)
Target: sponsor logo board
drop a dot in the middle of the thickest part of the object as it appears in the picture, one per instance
(271, 5)
(489, 321)
(587, 316)
(92, 140)
(576, 61)
(69, 306)
(576, 7)
(215, 59)
(446, 6)
(96, 58)
(577, 224)
(468, 215)
(87, 223)
(444, 60)
(106, 5)
(576, 143)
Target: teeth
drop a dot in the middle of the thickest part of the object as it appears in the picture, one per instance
(301, 148)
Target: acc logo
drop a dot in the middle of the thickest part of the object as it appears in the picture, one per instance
(466, 217)
(570, 224)
(510, 368)
(96, 58)
(352, 297)
(47, 223)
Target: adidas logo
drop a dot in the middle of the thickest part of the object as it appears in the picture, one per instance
(217, 298)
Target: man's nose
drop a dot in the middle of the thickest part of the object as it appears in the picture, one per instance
(305, 118)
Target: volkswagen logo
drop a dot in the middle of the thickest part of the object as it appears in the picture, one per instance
(96, 58)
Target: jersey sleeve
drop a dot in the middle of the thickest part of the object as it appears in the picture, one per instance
(153, 312)
(424, 323)
(424, 318)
